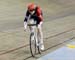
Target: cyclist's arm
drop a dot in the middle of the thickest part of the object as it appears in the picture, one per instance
(26, 18)
(39, 13)
(27, 15)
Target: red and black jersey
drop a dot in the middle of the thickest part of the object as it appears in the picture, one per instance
(37, 15)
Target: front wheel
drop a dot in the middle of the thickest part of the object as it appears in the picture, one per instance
(32, 45)
(39, 51)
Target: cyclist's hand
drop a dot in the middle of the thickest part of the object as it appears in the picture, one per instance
(25, 26)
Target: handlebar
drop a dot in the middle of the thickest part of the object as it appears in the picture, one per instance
(31, 24)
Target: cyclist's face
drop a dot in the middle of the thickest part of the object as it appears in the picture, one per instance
(32, 11)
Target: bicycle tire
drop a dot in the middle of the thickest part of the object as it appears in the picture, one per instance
(39, 51)
(32, 46)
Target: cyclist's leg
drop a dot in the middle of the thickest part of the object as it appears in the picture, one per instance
(40, 35)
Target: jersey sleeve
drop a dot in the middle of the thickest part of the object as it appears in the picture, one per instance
(26, 17)
(39, 13)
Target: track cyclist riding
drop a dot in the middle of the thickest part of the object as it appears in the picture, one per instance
(34, 12)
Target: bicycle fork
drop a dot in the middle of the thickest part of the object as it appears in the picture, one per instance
(34, 37)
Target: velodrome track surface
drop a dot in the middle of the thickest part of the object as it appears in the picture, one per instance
(58, 27)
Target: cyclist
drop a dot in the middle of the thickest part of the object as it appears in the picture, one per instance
(34, 12)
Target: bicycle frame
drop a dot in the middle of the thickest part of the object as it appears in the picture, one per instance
(33, 27)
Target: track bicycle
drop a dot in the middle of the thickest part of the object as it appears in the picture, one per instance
(34, 40)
